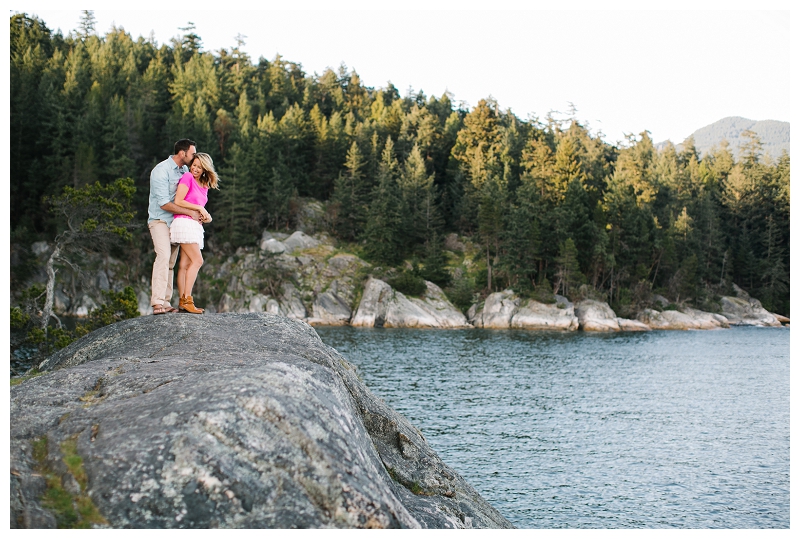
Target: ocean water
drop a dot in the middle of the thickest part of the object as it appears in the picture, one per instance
(665, 429)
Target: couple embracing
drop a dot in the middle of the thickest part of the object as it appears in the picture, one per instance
(178, 194)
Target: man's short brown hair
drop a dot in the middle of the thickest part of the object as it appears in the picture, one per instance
(183, 145)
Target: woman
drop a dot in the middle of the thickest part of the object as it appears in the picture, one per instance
(192, 193)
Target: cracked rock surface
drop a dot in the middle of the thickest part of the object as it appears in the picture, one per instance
(228, 421)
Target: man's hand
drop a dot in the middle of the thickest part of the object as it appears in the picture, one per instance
(175, 209)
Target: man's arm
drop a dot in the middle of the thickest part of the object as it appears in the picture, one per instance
(159, 190)
(174, 208)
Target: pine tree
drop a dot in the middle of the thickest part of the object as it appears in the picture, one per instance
(522, 241)
(279, 191)
(87, 23)
(233, 208)
(490, 222)
(569, 275)
(774, 277)
(350, 196)
(434, 261)
(383, 234)
(417, 189)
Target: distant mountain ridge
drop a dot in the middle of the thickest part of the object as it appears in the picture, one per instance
(774, 136)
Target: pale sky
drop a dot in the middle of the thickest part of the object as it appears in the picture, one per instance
(624, 70)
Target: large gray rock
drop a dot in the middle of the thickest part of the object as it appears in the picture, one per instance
(556, 316)
(498, 310)
(226, 421)
(746, 311)
(632, 325)
(435, 302)
(688, 318)
(706, 320)
(291, 303)
(258, 303)
(330, 310)
(382, 306)
(273, 246)
(596, 316)
(374, 303)
(504, 310)
(299, 240)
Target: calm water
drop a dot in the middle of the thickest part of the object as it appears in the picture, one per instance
(681, 429)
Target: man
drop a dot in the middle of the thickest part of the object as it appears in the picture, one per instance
(163, 183)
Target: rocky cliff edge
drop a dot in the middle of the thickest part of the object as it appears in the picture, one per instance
(221, 421)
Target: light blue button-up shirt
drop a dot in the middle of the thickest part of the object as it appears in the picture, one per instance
(163, 184)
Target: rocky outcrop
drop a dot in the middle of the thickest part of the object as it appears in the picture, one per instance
(273, 246)
(555, 316)
(289, 303)
(596, 316)
(330, 310)
(742, 310)
(780, 318)
(687, 318)
(317, 284)
(505, 310)
(497, 311)
(299, 240)
(632, 325)
(222, 421)
(382, 306)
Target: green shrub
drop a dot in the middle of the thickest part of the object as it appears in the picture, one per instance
(462, 293)
(408, 283)
(544, 292)
(19, 319)
(118, 306)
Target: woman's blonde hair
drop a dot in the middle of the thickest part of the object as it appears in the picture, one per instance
(209, 176)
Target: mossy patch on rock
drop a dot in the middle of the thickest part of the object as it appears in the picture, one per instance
(72, 508)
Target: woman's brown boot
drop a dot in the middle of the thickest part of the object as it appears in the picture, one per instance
(188, 306)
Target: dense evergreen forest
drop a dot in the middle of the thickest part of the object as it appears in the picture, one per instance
(551, 204)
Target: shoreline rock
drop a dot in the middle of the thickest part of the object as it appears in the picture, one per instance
(534, 315)
(505, 310)
(596, 316)
(226, 421)
(497, 311)
(632, 325)
(744, 310)
(382, 306)
(319, 285)
(330, 310)
(682, 320)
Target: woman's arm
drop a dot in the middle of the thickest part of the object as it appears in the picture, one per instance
(180, 196)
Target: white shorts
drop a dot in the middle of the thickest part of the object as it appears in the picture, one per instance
(186, 231)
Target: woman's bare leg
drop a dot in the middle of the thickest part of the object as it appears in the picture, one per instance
(195, 262)
(183, 265)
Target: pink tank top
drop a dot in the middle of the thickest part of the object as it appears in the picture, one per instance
(196, 194)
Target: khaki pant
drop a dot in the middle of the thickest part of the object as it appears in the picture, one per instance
(166, 254)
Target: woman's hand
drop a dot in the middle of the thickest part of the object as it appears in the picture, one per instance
(206, 217)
